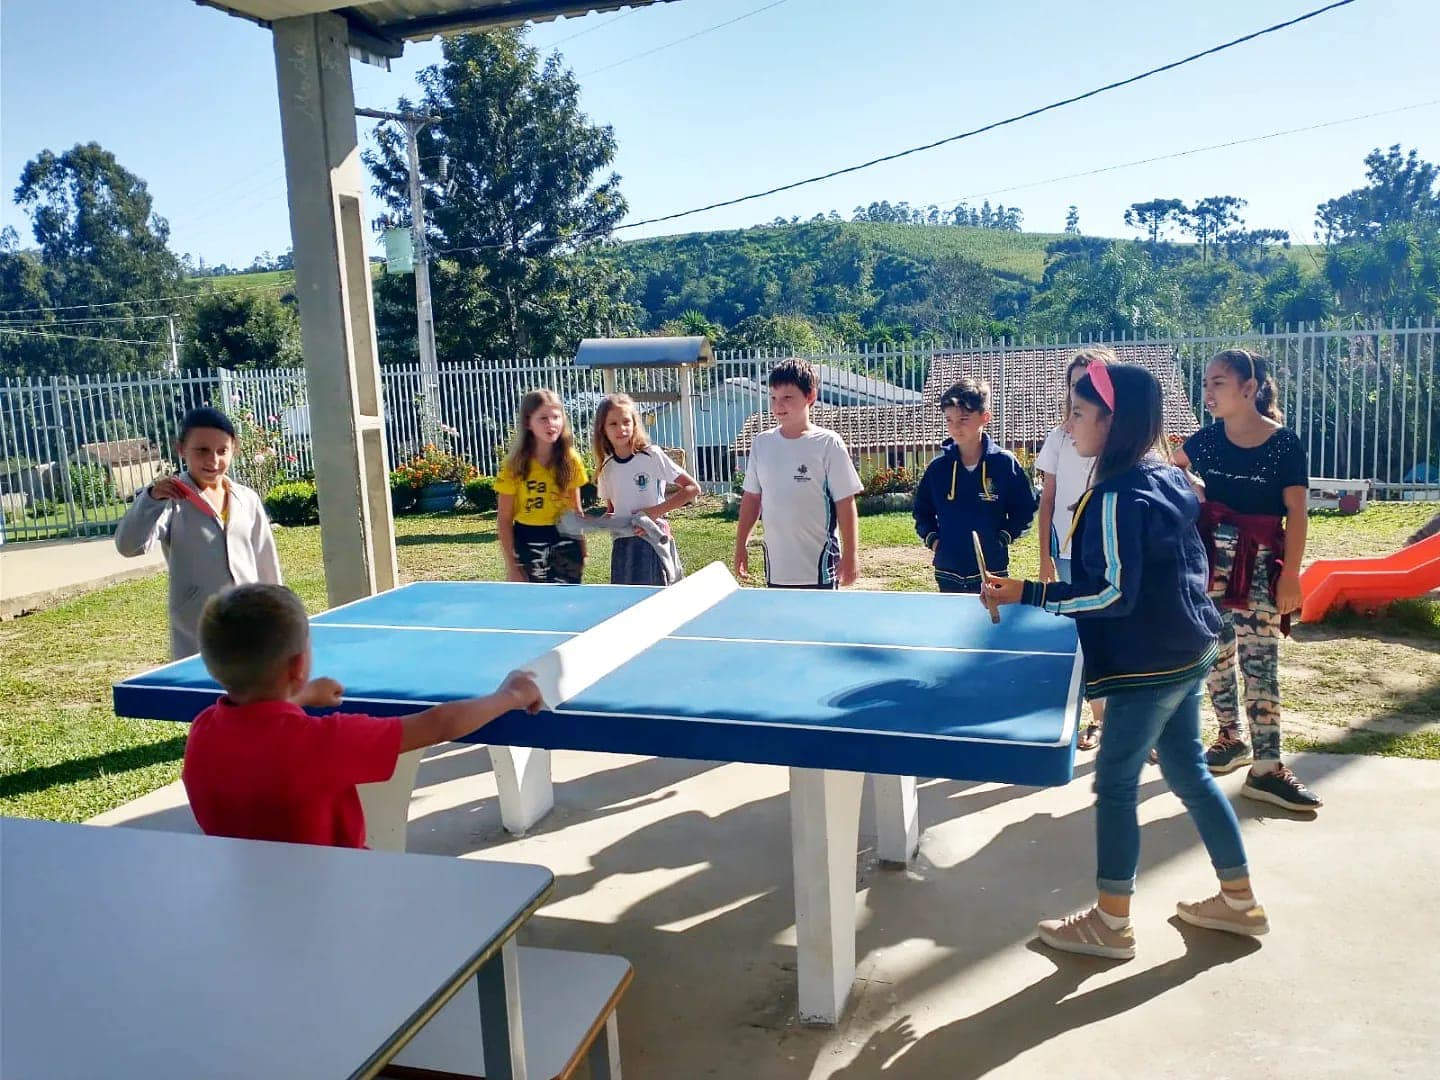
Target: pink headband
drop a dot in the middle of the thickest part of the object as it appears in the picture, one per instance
(1100, 379)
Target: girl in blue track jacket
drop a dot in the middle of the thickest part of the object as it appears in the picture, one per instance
(1149, 633)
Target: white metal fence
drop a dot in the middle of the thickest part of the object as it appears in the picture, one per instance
(73, 450)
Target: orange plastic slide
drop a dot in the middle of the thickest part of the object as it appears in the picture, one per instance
(1370, 583)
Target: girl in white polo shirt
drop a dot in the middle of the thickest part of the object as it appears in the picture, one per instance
(632, 479)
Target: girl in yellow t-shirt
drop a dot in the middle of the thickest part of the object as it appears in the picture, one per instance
(540, 480)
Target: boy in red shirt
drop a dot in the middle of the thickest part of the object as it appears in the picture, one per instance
(258, 767)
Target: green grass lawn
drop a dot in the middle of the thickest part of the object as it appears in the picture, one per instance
(56, 524)
(1354, 684)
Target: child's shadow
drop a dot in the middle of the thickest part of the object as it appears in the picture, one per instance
(988, 1039)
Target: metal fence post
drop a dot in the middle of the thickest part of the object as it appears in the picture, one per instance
(62, 453)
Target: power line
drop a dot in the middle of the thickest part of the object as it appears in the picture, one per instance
(998, 123)
(679, 41)
(75, 337)
(89, 321)
(154, 299)
(592, 29)
(582, 236)
(956, 200)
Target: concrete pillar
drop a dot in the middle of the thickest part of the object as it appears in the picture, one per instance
(337, 318)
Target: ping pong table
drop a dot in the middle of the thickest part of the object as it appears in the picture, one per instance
(834, 685)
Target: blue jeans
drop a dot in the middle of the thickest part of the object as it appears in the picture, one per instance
(1167, 718)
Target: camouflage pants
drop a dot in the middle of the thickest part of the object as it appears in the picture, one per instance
(1253, 635)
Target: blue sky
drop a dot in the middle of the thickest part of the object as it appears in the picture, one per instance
(185, 97)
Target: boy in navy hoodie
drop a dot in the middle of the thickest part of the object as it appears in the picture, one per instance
(974, 486)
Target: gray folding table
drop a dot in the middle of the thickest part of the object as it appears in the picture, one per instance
(129, 953)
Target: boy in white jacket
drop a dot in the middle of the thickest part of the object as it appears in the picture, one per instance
(213, 531)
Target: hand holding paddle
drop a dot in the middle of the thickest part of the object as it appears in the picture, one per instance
(985, 580)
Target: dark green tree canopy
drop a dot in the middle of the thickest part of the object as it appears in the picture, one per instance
(99, 242)
(515, 191)
(1155, 216)
(1401, 188)
(242, 329)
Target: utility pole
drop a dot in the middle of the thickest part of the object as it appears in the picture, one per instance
(424, 310)
(174, 346)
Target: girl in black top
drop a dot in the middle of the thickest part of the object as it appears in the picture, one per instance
(1256, 481)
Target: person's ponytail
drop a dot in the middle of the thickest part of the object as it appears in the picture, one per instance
(1266, 399)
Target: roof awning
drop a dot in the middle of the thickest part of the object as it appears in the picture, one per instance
(648, 352)
(382, 27)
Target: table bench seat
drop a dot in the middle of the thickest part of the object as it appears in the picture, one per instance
(1332, 493)
(568, 1002)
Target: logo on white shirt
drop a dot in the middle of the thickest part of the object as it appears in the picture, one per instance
(802, 474)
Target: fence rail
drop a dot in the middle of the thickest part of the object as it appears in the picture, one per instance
(74, 450)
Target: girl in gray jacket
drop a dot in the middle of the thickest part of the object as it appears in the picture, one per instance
(213, 531)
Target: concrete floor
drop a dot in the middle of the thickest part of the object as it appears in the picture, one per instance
(684, 868)
(36, 575)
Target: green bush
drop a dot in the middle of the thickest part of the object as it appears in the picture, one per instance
(90, 485)
(480, 493)
(403, 494)
(294, 503)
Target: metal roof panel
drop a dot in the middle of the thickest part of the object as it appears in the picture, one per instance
(416, 20)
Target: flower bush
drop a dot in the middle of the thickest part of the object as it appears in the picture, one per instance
(257, 461)
(432, 466)
(899, 480)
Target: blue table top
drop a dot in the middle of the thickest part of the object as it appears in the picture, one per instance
(909, 683)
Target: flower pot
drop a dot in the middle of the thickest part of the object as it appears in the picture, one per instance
(442, 496)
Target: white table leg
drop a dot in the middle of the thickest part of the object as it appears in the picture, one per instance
(897, 818)
(824, 835)
(387, 805)
(604, 1055)
(498, 985)
(522, 775)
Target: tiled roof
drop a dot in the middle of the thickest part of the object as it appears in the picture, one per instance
(119, 452)
(1035, 386)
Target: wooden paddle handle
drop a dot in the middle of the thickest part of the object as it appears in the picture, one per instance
(994, 609)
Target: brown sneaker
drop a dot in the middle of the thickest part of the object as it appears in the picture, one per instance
(1085, 932)
(1217, 914)
(1227, 753)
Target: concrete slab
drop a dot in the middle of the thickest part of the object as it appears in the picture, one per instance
(37, 575)
(684, 868)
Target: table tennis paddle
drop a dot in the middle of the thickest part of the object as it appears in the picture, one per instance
(984, 578)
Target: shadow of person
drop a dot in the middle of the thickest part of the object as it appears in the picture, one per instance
(984, 1041)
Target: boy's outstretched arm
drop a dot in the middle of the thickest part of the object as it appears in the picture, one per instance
(450, 721)
(749, 515)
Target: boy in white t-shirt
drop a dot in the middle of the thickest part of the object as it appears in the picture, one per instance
(801, 483)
